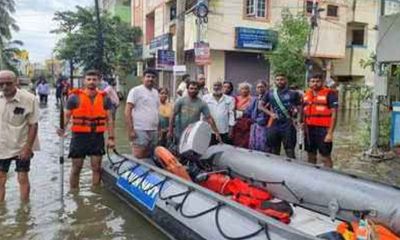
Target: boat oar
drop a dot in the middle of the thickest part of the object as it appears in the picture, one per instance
(62, 149)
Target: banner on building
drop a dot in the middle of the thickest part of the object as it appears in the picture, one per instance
(179, 70)
(165, 60)
(202, 53)
(253, 38)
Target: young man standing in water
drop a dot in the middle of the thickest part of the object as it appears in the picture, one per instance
(19, 111)
(188, 110)
(320, 111)
(90, 113)
(141, 116)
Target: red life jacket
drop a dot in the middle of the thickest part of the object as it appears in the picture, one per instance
(90, 116)
(316, 108)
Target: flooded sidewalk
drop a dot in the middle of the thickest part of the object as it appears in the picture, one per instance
(90, 214)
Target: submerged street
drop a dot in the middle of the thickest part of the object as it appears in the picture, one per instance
(89, 214)
(93, 213)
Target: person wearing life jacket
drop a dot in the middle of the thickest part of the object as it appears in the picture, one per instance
(89, 111)
(319, 114)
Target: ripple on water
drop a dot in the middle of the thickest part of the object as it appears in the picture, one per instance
(90, 214)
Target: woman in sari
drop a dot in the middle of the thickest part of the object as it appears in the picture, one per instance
(165, 112)
(258, 129)
(241, 130)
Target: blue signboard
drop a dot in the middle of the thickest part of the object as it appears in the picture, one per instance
(165, 59)
(136, 186)
(253, 38)
(163, 41)
(395, 131)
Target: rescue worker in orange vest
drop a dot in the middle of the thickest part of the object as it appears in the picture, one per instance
(319, 112)
(89, 111)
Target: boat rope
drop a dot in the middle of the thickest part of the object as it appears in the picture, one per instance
(179, 206)
(299, 201)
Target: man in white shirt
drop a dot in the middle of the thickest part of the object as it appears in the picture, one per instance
(141, 116)
(222, 111)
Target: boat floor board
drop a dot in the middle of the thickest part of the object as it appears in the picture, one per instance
(311, 222)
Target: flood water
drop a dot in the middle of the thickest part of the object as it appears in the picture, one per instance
(89, 214)
(98, 214)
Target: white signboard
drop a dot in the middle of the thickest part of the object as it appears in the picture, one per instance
(179, 70)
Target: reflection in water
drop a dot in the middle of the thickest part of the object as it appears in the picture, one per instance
(89, 214)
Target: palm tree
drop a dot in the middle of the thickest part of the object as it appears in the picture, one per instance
(9, 55)
(7, 25)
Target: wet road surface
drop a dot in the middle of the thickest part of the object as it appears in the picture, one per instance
(89, 214)
(98, 214)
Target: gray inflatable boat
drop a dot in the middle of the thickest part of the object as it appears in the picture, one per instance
(335, 194)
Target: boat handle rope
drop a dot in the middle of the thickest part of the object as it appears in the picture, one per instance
(357, 213)
(179, 206)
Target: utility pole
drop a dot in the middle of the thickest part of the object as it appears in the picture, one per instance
(100, 38)
(373, 150)
(313, 24)
(180, 38)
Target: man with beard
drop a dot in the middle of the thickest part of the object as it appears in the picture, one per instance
(320, 111)
(221, 108)
(188, 110)
(201, 80)
(284, 105)
(90, 113)
(141, 116)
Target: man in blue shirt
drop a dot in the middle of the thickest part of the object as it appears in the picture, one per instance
(282, 105)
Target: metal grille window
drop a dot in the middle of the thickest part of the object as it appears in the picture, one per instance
(332, 11)
(256, 8)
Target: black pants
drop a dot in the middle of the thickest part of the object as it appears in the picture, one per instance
(225, 139)
(43, 98)
(282, 134)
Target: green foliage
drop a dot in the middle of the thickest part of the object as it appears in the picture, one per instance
(369, 63)
(8, 48)
(80, 41)
(288, 57)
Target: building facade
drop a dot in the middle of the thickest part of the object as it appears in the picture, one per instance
(239, 33)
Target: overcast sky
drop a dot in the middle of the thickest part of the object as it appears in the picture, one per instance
(34, 17)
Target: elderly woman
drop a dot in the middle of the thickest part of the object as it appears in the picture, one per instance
(258, 129)
(241, 130)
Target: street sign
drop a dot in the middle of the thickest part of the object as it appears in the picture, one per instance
(165, 60)
(162, 41)
(202, 53)
(179, 70)
(253, 38)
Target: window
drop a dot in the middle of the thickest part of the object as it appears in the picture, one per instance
(332, 11)
(172, 12)
(256, 8)
(358, 37)
(309, 6)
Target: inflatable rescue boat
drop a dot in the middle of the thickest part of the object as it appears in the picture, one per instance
(204, 197)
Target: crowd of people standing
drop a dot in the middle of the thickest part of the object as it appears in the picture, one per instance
(262, 122)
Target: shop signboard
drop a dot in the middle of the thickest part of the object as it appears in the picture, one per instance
(202, 53)
(163, 41)
(165, 60)
(253, 38)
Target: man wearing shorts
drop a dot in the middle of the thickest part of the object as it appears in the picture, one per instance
(19, 115)
(89, 111)
(320, 111)
(141, 116)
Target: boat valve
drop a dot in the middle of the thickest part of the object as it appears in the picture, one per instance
(333, 207)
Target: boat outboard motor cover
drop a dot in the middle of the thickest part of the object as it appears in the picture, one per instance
(195, 140)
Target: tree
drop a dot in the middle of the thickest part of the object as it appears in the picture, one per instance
(289, 57)
(8, 53)
(7, 25)
(80, 41)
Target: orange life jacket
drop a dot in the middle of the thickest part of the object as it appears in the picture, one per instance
(316, 108)
(90, 116)
(350, 232)
(170, 163)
